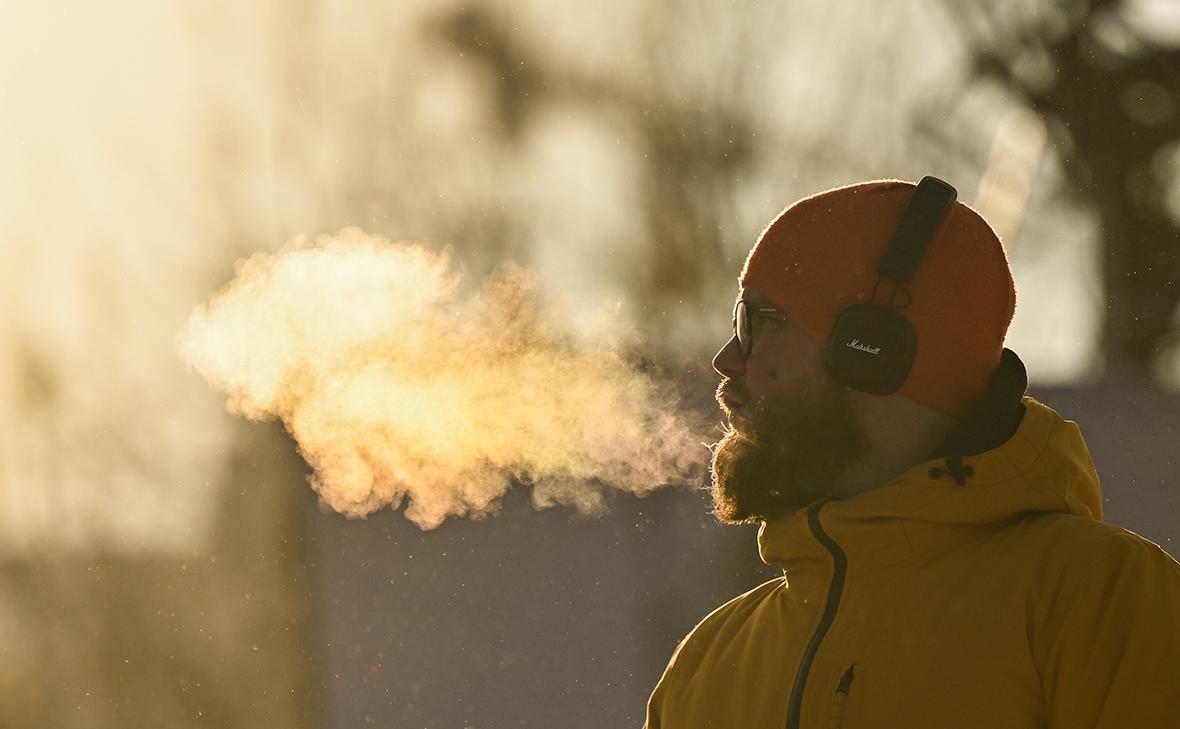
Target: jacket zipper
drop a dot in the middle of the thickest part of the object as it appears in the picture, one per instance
(835, 589)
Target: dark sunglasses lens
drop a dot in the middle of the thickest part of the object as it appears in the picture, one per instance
(741, 329)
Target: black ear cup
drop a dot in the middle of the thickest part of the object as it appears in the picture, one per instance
(871, 349)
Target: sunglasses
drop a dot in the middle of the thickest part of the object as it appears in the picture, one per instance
(744, 315)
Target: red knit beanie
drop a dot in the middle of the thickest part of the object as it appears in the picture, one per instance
(820, 255)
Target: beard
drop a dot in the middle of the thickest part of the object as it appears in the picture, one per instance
(785, 451)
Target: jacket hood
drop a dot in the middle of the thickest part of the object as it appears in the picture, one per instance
(1010, 457)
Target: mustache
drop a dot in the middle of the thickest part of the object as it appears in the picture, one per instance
(732, 391)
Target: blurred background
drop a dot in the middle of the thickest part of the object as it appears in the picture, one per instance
(163, 563)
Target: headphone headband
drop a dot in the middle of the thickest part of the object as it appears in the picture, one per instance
(920, 220)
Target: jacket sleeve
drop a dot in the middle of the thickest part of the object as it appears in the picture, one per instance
(1111, 650)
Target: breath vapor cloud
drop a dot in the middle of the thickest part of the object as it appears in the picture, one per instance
(401, 387)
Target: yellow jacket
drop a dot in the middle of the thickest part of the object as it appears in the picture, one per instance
(1004, 603)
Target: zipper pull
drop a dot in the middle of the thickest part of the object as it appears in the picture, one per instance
(845, 681)
(840, 701)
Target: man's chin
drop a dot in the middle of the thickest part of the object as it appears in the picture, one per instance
(741, 479)
(728, 509)
(782, 454)
(732, 508)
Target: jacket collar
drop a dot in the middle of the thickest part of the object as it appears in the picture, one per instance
(997, 415)
(1013, 456)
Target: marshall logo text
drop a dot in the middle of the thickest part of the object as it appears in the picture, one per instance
(855, 344)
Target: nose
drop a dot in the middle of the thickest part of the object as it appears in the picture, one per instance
(728, 362)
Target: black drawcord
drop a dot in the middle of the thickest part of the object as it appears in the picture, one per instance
(956, 469)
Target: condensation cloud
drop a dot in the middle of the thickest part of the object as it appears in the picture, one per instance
(405, 387)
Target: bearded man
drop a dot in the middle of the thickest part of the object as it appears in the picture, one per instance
(940, 532)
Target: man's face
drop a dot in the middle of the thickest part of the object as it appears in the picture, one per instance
(793, 429)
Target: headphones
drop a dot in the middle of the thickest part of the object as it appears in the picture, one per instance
(871, 347)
